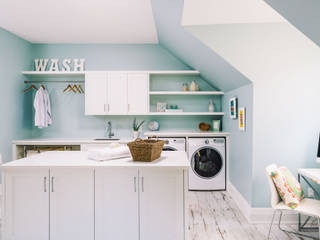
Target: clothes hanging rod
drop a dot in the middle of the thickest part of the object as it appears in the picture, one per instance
(53, 81)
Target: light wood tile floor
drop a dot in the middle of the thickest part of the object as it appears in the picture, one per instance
(214, 216)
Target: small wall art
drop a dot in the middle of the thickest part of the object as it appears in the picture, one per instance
(242, 119)
(233, 108)
(161, 106)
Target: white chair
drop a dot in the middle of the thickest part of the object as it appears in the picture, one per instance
(307, 206)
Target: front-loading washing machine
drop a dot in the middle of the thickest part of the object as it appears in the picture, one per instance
(207, 164)
(174, 144)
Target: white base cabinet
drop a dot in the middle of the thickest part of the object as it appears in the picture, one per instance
(117, 212)
(104, 203)
(161, 204)
(71, 204)
(55, 204)
(26, 212)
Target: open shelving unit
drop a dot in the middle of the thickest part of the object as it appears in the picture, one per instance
(52, 74)
(187, 113)
(186, 93)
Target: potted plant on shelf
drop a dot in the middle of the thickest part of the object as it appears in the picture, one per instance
(136, 128)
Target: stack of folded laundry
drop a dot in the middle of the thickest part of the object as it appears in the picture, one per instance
(113, 151)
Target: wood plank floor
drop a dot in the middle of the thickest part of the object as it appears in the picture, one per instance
(214, 216)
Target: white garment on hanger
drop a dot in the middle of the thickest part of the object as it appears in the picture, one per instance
(42, 106)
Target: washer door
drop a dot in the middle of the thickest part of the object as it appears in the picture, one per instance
(169, 148)
(206, 162)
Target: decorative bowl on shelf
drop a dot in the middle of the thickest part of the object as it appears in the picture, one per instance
(204, 126)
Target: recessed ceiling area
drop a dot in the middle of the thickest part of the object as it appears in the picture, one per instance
(69, 21)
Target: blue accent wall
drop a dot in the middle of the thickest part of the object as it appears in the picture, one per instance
(15, 55)
(68, 108)
(240, 155)
(213, 68)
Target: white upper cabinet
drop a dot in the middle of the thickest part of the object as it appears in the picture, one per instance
(26, 205)
(117, 93)
(138, 98)
(71, 204)
(96, 98)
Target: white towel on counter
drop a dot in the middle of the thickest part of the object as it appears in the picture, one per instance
(109, 153)
(42, 106)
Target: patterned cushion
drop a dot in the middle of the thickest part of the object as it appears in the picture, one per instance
(288, 187)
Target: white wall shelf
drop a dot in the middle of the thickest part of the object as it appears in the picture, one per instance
(186, 93)
(52, 74)
(183, 72)
(187, 113)
(72, 73)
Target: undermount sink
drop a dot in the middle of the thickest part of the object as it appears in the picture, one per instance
(107, 139)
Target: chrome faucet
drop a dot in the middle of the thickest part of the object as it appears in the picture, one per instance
(109, 133)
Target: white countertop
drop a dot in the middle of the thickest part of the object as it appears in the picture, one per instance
(66, 141)
(79, 159)
(186, 134)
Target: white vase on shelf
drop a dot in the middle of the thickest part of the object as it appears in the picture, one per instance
(211, 106)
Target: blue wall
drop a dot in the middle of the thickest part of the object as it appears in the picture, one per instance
(15, 55)
(68, 108)
(240, 155)
(173, 36)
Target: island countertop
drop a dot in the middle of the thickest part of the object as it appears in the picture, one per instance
(175, 159)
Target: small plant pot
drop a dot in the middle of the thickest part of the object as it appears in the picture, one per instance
(136, 134)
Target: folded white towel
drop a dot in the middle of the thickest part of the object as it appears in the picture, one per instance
(109, 153)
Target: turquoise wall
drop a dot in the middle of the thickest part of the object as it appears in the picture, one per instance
(173, 36)
(68, 108)
(240, 155)
(15, 55)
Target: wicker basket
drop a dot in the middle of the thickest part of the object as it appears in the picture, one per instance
(145, 150)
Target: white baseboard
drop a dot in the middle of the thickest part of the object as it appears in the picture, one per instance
(240, 201)
(258, 215)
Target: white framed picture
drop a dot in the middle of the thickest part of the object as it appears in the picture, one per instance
(233, 108)
(161, 106)
(242, 119)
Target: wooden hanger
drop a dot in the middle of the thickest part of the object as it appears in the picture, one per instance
(31, 87)
(81, 89)
(78, 90)
(43, 86)
(70, 89)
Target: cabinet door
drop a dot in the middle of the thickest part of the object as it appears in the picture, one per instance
(161, 204)
(117, 93)
(96, 93)
(117, 204)
(26, 204)
(138, 88)
(71, 204)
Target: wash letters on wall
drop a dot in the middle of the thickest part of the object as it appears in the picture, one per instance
(41, 65)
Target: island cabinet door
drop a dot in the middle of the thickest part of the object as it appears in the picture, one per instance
(117, 216)
(26, 204)
(161, 204)
(71, 204)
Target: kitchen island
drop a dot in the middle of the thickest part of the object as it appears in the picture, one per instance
(65, 195)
